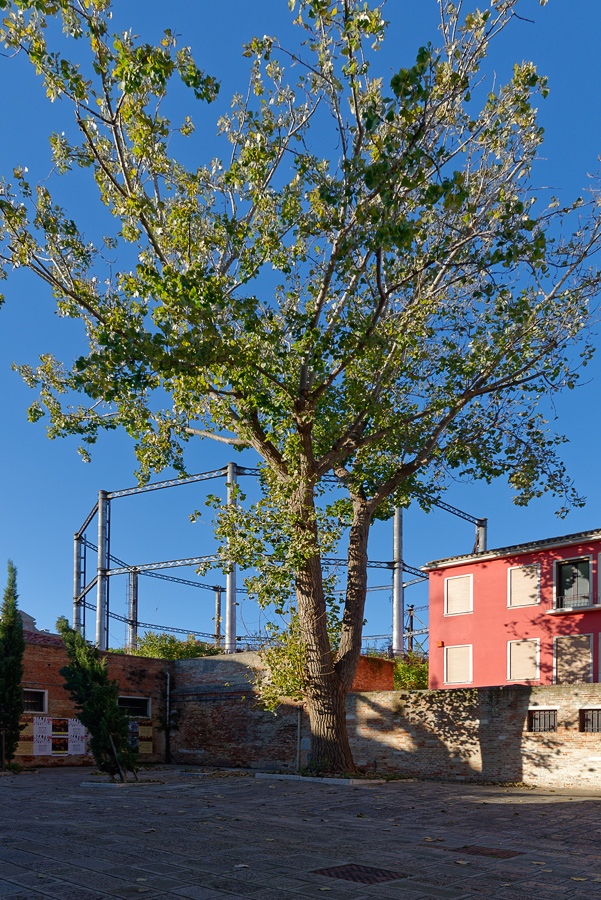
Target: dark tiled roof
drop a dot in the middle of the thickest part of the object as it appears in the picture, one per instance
(528, 547)
(46, 640)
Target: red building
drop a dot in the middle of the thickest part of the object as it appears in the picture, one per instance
(528, 614)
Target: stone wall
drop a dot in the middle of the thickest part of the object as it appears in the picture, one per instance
(221, 723)
(472, 734)
(478, 734)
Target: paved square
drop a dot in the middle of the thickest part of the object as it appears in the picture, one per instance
(229, 835)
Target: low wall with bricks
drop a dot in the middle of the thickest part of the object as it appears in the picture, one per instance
(479, 735)
(137, 676)
(220, 722)
(473, 735)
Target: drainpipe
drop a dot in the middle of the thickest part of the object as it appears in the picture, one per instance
(398, 611)
(299, 713)
(168, 720)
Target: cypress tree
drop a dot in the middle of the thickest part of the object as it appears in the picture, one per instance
(95, 696)
(12, 648)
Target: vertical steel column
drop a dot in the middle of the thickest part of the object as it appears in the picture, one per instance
(230, 590)
(482, 534)
(76, 582)
(102, 577)
(410, 629)
(218, 618)
(132, 611)
(398, 611)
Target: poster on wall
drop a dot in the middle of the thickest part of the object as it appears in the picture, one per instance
(42, 736)
(58, 737)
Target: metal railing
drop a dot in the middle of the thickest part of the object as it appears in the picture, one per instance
(578, 601)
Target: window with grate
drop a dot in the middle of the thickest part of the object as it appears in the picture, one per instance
(542, 720)
(590, 720)
(137, 707)
(34, 701)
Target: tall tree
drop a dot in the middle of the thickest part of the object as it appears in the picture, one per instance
(12, 648)
(96, 698)
(366, 289)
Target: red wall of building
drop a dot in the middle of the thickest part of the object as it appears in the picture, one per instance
(491, 624)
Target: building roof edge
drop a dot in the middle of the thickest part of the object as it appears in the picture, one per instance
(515, 549)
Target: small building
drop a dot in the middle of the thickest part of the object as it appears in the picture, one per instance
(53, 734)
(527, 614)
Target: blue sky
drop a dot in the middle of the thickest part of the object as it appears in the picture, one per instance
(47, 490)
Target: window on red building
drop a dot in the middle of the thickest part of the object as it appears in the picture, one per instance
(458, 595)
(572, 584)
(523, 660)
(523, 585)
(458, 664)
(573, 659)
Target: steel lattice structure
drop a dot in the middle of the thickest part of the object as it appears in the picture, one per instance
(104, 572)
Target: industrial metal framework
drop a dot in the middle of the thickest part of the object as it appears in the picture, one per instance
(100, 581)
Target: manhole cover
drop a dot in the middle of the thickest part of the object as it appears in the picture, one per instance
(496, 852)
(361, 874)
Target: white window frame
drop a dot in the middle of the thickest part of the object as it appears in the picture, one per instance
(37, 712)
(452, 578)
(566, 559)
(519, 641)
(576, 634)
(138, 697)
(456, 647)
(525, 605)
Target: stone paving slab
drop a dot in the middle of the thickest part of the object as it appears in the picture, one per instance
(228, 836)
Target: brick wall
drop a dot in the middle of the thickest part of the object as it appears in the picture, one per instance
(478, 734)
(472, 734)
(220, 721)
(137, 677)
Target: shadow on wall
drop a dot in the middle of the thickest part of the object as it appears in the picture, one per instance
(471, 734)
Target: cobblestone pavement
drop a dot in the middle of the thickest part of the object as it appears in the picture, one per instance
(236, 836)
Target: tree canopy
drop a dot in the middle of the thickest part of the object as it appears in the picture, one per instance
(364, 287)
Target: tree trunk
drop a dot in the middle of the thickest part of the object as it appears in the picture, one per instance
(330, 748)
(327, 681)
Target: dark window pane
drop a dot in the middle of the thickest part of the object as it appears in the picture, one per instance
(542, 720)
(573, 583)
(34, 701)
(135, 706)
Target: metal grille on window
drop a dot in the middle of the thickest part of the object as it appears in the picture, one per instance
(590, 720)
(135, 706)
(34, 701)
(542, 720)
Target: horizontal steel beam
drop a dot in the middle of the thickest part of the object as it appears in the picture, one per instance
(174, 578)
(173, 482)
(458, 512)
(169, 564)
(186, 631)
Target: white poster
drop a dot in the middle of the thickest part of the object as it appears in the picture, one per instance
(76, 738)
(42, 736)
(58, 737)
